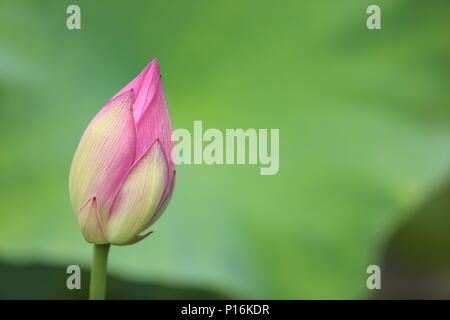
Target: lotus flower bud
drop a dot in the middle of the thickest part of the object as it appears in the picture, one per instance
(122, 174)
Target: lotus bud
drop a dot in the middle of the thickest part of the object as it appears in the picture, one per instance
(122, 174)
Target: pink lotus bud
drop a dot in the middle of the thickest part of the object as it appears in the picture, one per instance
(122, 174)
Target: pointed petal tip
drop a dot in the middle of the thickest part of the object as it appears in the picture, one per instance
(135, 239)
(90, 223)
(126, 95)
(155, 61)
(166, 153)
(153, 67)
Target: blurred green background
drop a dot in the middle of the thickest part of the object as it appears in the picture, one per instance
(364, 119)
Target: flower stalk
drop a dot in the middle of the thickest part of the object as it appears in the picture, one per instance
(98, 272)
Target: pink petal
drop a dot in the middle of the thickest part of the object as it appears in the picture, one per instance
(105, 154)
(145, 87)
(136, 83)
(154, 124)
(152, 119)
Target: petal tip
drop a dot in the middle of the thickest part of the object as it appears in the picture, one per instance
(155, 61)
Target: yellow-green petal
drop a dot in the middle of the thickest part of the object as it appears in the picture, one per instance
(90, 224)
(104, 156)
(138, 197)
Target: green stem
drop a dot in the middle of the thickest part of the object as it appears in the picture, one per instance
(98, 272)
